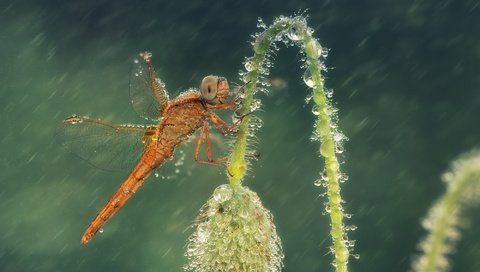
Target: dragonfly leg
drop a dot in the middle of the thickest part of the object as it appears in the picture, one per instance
(206, 131)
(222, 126)
(223, 106)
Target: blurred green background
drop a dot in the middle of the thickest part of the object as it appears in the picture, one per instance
(407, 86)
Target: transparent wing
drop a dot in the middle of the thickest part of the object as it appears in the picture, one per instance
(104, 145)
(147, 92)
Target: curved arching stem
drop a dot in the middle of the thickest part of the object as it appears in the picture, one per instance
(294, 30)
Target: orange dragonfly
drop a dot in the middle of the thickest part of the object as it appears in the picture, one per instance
(106, 145)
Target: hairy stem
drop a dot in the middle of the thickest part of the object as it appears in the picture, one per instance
(463, 188)
(237, 166)
(295, 31)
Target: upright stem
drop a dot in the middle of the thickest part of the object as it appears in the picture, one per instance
(463, 188)
(296, 30)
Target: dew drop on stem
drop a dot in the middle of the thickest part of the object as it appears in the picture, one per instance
(293, 34)
(248, 64)
(307, 78)
(315, 110)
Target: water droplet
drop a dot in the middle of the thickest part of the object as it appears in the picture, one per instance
(244, 213)
(350, 243)
(265, 83)
(328, 92)
(315, 110)
(293, 34)
(342, 178)
(324, 176)
(338, 137)
(248, 64)
(315, 137)
(222, 193)
(260, 23)
(256, 104)
(135, 61)
(307, 78)
(324, 52)
(318, 48)
(327, 208)
(100, 230)
(308, 98)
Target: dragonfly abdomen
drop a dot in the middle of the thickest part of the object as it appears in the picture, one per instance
(148, 162)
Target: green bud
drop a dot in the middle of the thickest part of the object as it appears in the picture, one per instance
(234, 232)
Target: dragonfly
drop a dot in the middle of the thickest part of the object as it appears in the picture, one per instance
(106, 145)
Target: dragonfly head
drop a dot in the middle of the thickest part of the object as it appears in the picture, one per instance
(214, 90)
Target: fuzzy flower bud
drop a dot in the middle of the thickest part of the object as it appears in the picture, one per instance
(234, 232)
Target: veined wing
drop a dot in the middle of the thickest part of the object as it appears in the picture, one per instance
(102, 144)
(147, 92)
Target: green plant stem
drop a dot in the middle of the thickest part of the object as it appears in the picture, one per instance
(238, 164)
(327, 150)
(463, 187)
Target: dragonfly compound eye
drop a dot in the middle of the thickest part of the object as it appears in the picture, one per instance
(208, 88)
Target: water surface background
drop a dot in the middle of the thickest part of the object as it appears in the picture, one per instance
(407, 86)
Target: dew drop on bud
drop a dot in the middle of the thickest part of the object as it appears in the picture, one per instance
(236, 235)
(222, 194)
